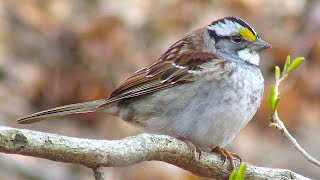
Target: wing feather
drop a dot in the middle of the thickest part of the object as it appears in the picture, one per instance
(161, 76)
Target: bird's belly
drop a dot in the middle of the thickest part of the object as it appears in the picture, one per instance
(212, 121)
(224, 113)
(219, 125)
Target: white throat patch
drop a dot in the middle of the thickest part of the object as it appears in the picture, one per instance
(249, 56)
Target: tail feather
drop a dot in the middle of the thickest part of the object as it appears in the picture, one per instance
(78, 108)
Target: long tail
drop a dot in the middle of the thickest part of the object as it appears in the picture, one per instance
(78, 108)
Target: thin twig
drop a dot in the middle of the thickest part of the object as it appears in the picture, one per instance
(280, 125)
(98, 173)
(286, 133)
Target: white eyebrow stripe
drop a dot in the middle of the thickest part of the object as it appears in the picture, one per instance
(225, 29)
(228, 28)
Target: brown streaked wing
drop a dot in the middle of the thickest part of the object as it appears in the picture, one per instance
(161, 75)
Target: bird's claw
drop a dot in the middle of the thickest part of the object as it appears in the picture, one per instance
(226, 155)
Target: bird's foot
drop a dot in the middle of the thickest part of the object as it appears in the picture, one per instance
(193, 148)
(226, 155)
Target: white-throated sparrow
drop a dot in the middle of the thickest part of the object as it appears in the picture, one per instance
(204, 89)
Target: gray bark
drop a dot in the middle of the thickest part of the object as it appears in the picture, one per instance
(131, 150)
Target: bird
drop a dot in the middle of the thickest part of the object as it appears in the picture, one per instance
(203, 90)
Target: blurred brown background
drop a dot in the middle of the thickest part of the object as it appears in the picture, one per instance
(58, 52)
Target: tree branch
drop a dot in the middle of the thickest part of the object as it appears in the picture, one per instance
(131, 150)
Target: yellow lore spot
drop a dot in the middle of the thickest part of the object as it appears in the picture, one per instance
(247, 34)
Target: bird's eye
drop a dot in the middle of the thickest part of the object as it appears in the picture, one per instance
(236, 39)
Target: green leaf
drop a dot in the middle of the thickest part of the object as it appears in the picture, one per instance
(233, 175)
(295, 64)
(240, 174)
(242, 171)
(287, 64)
(272, 94)
(276, 103)
(277, 72)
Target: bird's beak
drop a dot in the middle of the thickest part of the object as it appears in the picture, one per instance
(259, 45)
